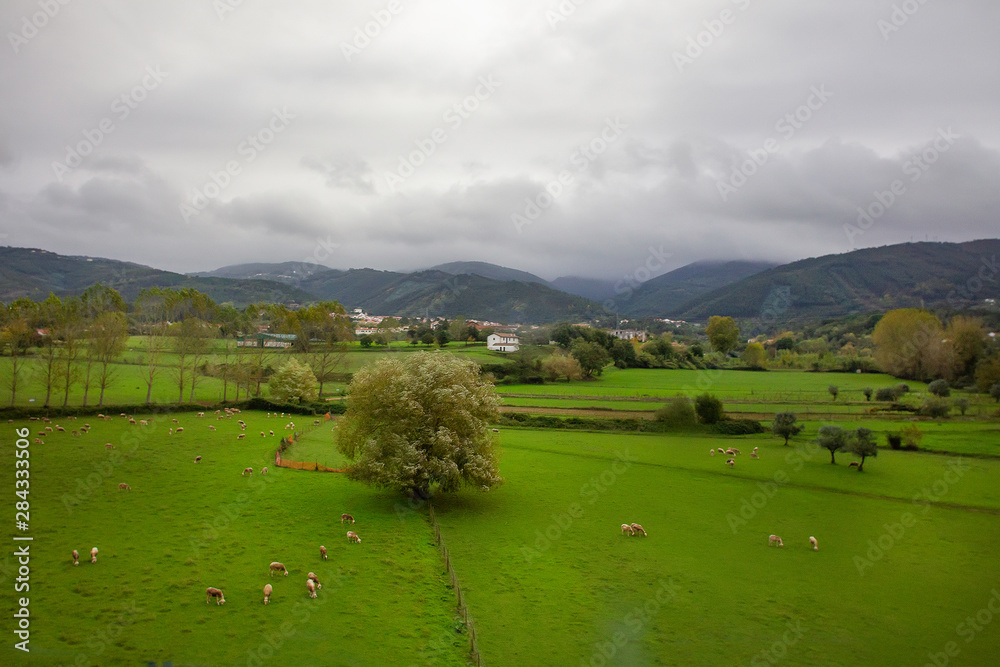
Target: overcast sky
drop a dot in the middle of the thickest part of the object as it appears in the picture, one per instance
(188, 135)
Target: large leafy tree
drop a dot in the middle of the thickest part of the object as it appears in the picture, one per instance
(421, 424)
(907, 343)
(17, 336)
(592, 357)
(722, 333)
(293, 383)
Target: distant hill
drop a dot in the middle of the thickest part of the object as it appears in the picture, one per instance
(290, 273)
(437, 293)
(669, 294)
(487, 270)
(872, 279)
(35, 273)
(589, 288)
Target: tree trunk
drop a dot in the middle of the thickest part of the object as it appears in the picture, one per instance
(861, 466)
(832, 459)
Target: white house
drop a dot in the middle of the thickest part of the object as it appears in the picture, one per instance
(503, 342)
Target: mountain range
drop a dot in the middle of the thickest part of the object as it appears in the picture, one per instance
(873, 279)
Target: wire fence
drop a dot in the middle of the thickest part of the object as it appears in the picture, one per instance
(463, 609)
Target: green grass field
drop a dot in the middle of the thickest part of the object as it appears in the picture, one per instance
(545, 570)
(186, 526)
(543, 555)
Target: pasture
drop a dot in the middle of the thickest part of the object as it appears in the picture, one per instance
(907, 548)
(186, 526)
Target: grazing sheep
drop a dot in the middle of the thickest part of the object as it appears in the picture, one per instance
(353, 537)
(313, 577)
(210, 593)
(753, 455)
(322, 552)
(854, 464)
(262, 434)
(247, 472)
(143, 422)
(636, 528)
(755, 449)
(774, 540)
(267, 593)
(211, 428)
(278, 567)
(731, 451)
(76, 557)
(496, 430)
(263, 471)
(93, 555)
(76, 433)
(201, 414)
(814, 542)
(108, 445)
(721, 450)
(241, 436)
(124, 487)
(737, 451)
(626, 528)
(175, 421)
(179, 429)
(731, 462)
(346, 518)
(197, 459)
(312, 587)
(711, 452)
(272, 433)
(60, 428)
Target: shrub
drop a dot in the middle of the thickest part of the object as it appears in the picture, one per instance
(895, 440)
(902, 389)
(935, 408)
(995, 392)
(834, 390)
(867, 391)
(886, 394)
(709, 409)
(962, 404)
(738, 427)
(911, 437)
(677, 413)
(939, 388)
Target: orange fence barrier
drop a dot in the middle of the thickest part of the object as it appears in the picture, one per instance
(299, 465)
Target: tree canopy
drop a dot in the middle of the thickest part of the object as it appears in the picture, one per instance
(421, 424)
(722, 333)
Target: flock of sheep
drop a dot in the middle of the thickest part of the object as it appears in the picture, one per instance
(733, 453)
(312, 581)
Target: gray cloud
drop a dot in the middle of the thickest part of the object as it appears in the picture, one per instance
(486, 104)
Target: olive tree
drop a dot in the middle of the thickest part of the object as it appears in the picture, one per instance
(421, 424)
(783, 425)
(832, 438)
(862, 442)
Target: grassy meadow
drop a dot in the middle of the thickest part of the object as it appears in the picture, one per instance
(907, 549)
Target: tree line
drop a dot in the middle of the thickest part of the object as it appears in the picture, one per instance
(78, 341)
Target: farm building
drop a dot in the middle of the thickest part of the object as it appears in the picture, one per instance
(266, 340)
(630, 334)
(503, 342)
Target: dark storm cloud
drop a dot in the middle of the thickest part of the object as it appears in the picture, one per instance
(423, 137)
